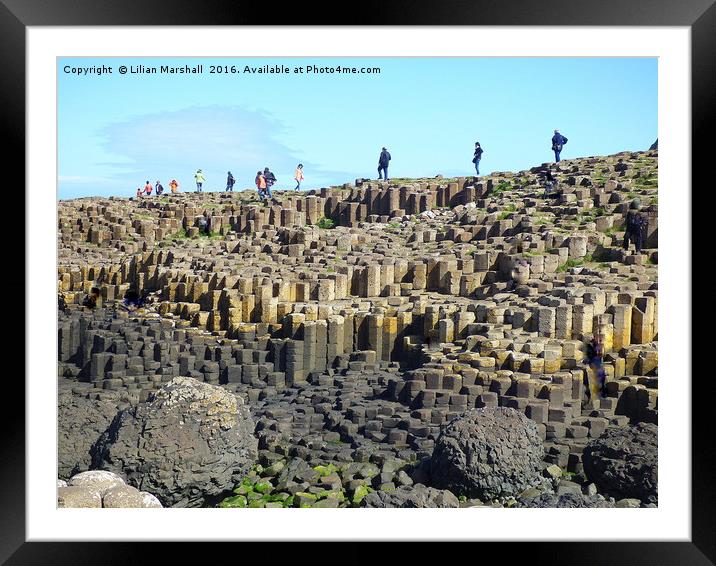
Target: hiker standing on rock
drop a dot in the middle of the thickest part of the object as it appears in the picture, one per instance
(383, 162)
(558, 142)
(173, 186)
(199, 178)
(476, 158)
(635, 226)
(158, 188)
(230, 182)
(148, 188)
(298, 176)
(139, 192)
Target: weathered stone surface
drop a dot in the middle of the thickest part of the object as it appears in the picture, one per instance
(78, 496)
(415, 496)
(623, 462)
(487, 453)
(191, 441)
(97, 480)
(126, 496)
(80, 422)
(571, 500)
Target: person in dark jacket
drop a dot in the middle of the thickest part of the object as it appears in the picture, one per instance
(596, 379)
(549, 182)
(635, 226)
(91, 300)
(158, 187)
(476, 157)
(270, 181)
(383, 162)
(558, 142)
(230, 182)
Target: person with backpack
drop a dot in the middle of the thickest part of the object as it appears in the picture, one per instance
(230, 182)
(199, 178)
(158, 188)
(270, 181)
(635, 226)
(298, 176)
(173, 186)
(558, 142)
(383, 162)
(148, 188)
(476, 158)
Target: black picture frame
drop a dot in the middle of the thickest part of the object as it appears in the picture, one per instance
(699, 15)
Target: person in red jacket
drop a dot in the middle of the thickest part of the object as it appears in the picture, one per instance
(148, 188)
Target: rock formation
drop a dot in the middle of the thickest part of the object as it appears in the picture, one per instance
(487, 453)
(192, 440)
(624, 462)
(355, 322)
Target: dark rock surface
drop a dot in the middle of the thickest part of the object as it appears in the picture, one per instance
(571, 500)
(415, 496)
(192, 440)
(623, 462)
(487, 453)
(80, 422)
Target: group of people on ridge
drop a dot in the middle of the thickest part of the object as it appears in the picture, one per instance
(157, 188)
(264, 181)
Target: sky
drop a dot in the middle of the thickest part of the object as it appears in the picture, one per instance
(116, 131)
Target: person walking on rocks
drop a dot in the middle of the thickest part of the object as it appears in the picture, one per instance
(261, 184)
(199, 178)
(148, 188)
(139, 192)
(476, 158)
(158, 188)
(383, 162)
(270, 181)
(635, 226)
(596, 378)
(230, 182)
(173, 186)
(558, 142)
(298, 176)
(549, 182)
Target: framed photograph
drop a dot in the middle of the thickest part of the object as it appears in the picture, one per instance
(393, 281)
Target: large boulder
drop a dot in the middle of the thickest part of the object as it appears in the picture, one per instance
(80, 422)
(414, 496)
(487, 453)
(623, 462)
(191, 441)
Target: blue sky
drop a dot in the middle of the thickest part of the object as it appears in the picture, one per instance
(117, 131)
